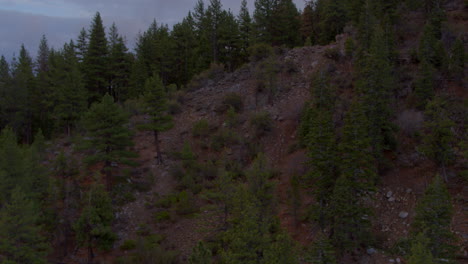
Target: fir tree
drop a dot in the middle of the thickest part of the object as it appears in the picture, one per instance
(322, 251)
(200, 254)
(21, 239)
(120, 65)
(333, 20)
(183, 35)
(320, 143)
(108, 135)
(94, 226)
(433, 216)
(156, 107)
(420, 253)
(438, 138)
(5, 84)
(286, 24)
(375, 85)
(82, 45)
(263, 21)
(68, 84)
(96, 61)
(245, 31)
(424, 89)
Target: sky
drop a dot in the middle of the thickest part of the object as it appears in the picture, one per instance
(25, 21)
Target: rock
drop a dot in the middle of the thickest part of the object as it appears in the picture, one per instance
(371, 251)
(391, 199)
(403, 214)
(409, 190)
(389, 194)
(398, 260)
(391, 260)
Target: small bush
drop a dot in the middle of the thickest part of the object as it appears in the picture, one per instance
(186, 204)
(233, 100)
(201, 128)
(231, 118)
(167, 201)
(162, 216)
(259, 52)
(224, 138)
(333, 54)
(128, 245)
(262, 123)
(143, 230)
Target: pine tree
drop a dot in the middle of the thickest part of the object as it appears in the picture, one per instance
(19, 94)
(229, 41)
(375, 85)
(82, 45)
(183, 36)
(433, 216)
(94, 226)
(333, 19)
(457, 59)
(96, 61)
(21, 239)
(108, 135)
(320, 143)
(5, 84)
(420, 253)
(156, 107)
(286, 24)
(424, 89)
(438, 137)
(68, 84)
(322, 251)
(119, 64)
(200, 254)
(350, 217)
(263, 21)
(245, 31)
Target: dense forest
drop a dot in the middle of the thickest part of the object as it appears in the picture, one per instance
(73, 121)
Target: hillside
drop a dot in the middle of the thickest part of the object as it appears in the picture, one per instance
(332, 135)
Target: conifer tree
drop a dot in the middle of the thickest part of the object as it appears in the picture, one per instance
(21, 239)
(200, 254)
(332, 20)
(438, 138)
(108, 135)
(457, 59)
(96, 61)
(229, 41)
(183, 35)
(245, 31)
(263, 20)
(320, 143)
(350, 217)
(68, 84)
(433, 216)
(120, 65)
(375, 85)
(82, 45)
(322, 251)
(424, 89)
(5, 84)
(19, 102)
(156, 108)
(94, 226)
(420, 253)
(286, 24)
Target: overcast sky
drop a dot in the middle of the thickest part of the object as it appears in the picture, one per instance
(25, 21)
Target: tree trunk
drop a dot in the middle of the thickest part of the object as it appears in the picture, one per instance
(159, 159)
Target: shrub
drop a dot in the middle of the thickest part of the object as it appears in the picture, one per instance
(186, 204)
(259, 52)
(233, 100)
(231, 118)
(162, 216)
(224, 138)
(201, 128)
(128, 245)
(262, 123)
